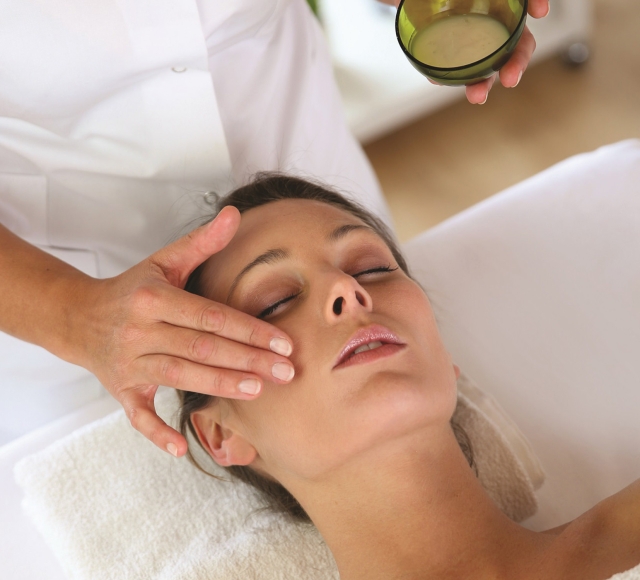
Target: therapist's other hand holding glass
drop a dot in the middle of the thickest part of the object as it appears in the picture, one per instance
(140, 330)
(512, 71)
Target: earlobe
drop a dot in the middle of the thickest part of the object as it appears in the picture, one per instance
(225, 446)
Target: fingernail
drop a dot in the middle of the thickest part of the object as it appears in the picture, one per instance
(485, 100)
(518, 81)
(283, 371)
(280, 346)
(249, 386)
(171, 448)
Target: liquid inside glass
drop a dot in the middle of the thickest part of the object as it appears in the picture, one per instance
(458, 40)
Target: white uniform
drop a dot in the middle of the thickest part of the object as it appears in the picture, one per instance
(116, 118)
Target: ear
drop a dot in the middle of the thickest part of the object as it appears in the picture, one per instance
(226, 446)
(456, 368)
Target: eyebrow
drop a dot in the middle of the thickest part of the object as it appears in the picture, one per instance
(278, 254)
(341, 231)
(269, 257)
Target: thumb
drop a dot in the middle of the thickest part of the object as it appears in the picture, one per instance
(179, 259)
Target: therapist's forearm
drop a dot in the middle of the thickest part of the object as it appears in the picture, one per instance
(39, 293)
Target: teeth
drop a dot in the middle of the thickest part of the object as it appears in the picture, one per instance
(370, 346)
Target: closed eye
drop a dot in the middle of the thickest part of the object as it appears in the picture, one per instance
(375, 271)
(276, 305)
(271, 309)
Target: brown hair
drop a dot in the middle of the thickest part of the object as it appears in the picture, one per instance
(264, 189)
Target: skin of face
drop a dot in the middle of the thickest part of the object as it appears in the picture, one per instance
(326, 416)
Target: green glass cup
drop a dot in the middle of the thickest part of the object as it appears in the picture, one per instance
(414, 16)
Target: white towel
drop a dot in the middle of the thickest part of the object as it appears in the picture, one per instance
(633, 574)
(111, 506)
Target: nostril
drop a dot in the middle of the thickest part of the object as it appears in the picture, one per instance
(337, 306)
(360, 298)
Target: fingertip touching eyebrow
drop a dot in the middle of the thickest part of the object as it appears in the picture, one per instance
(278, 254)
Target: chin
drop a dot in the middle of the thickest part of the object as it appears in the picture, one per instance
(397, 402)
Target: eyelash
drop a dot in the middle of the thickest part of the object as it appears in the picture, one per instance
(271, 309)
(387, 268)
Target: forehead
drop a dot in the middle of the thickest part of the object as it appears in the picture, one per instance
(289, 219)
(295, 225)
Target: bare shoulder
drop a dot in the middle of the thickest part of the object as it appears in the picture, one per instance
(620, 511)
(626, 505)
(603, 541)
(618, 517)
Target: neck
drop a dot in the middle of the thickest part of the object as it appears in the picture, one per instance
(416, 510)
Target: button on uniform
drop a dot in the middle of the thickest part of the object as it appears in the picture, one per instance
(211, 197)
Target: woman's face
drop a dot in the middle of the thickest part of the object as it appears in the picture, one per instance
(321, 275)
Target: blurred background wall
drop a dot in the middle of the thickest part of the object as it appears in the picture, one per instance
(454, 154)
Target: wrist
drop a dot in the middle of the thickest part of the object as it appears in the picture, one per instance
(75, 300)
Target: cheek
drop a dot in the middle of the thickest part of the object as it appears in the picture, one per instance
(416, 315)
(430, 347)
(289, 425)
(294, 427)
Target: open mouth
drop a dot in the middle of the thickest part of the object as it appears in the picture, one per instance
(367, 345)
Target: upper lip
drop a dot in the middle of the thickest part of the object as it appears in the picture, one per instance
(373, 333)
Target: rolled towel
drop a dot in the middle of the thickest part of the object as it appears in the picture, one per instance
(508, 468)
(111, 506)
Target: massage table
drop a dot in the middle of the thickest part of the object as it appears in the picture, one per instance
(537, 294)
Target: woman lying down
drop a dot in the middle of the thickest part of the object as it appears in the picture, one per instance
(361, 441)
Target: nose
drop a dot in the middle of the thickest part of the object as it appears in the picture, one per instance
(346, 298)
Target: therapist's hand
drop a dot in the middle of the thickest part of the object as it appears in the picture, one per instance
(140, 330)
(511, 73)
